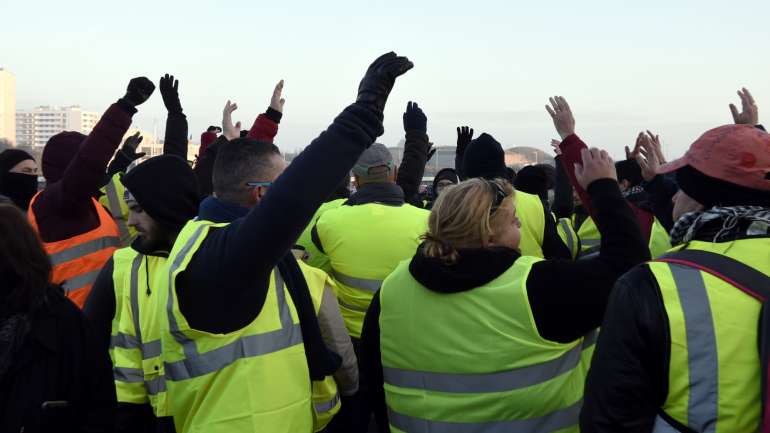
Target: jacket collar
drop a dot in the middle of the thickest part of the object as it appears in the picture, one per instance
(218, 211)
(388, 194)
(476, 267)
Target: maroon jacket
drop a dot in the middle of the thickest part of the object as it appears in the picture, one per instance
(570, 150)
(65, 209)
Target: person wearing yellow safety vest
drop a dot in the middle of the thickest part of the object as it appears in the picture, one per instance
(77, 232)
(241, 341)
(469, 335)
(484, 157)
(312, 255)
(174, 143)
(123, 303)
(686, 338)
(365, 239)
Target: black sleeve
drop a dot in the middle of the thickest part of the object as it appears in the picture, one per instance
(628, 380)
(660, 190)
(175, 141)
(204, 168)
(371, 361)
(412, 166)
(568, 298)
(553, 245)
(100, 306)
(562, 195)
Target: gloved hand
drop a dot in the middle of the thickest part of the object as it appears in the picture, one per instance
(130, 145)
(379, 79)
(464, 137)
(414, 118)
(169, 90)
(139, 91)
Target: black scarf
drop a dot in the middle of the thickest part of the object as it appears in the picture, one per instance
(19, 187)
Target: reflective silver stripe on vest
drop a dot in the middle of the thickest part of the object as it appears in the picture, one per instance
(149, 350)
(198, 364)
(661, 426)
(115, 210)
(84, 249)
(489, 382)
(357, 283)
(155, 386)
(702, 361)
(80, 281)
(568, 235)
(554, 421)
(129, 375)
(327, 406)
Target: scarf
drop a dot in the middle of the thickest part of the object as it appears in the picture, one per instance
(721, 223)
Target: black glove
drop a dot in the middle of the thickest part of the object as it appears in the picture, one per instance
(464, 136)
(169, 90)
(379, 79)
(130, 145)
(414, 118)
(139, 90)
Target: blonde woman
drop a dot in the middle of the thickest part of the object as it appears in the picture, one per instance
(470, 336)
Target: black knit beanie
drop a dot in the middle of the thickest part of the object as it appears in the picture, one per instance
(166, 188)
(10, 157)
(533, 179)
(485, 158)
(710, 191)
(629, 170)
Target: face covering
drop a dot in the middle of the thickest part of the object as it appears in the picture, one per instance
(19, 187)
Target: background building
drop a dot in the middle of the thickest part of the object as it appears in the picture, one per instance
(7, 106)
(34, 127)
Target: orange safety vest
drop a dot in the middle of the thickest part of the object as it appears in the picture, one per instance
(77, 260)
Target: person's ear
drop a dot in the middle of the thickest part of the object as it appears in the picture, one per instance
(356, 181)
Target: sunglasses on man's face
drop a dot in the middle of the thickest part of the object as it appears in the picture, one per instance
(258, 184)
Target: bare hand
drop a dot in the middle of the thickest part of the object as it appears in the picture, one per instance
(276, 102)
(657, 147)
(556, 144)
(631, 154)
(596, 165)
(230, 131)
(750, 113)
(562, 116)
(647, 156)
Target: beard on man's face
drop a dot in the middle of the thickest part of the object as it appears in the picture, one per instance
(154, 238)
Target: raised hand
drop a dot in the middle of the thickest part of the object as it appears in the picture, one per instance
(596, 165)
(655, 140)
(376, 85)
(414, 118)
(139, 90)
(130, 146)
(648, 156)
(562, 116)
(276, 101)
(464, 137)
(749, 114)
(230, 131)
(169, 90)
(556, 144)
(631, 154)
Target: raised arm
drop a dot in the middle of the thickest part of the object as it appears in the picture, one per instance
(464, 137)
(265, 127)
(175, 141)
(124, 157)
(83, 177)
(288, 206)
(563, 205)
(417, 152)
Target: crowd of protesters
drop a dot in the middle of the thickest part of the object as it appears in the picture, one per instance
(245, 294)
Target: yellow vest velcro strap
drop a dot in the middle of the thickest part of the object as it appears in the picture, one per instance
(702, 357)
(130, 375)
(554, 421)
(117, 213)
(490, 382)
(81, 280)
(84, 249)
(246, 347)
(327, 406)
(358, 283)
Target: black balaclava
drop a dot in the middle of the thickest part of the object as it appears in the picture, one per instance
(19, 187)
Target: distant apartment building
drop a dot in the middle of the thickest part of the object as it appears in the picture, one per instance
(7, 106)
(34, 127)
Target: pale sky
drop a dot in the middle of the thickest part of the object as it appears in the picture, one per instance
(624, 66)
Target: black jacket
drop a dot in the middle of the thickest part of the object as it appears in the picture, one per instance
(58, 361)
(567, 298)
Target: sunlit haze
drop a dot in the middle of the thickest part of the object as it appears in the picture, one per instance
(671, 67)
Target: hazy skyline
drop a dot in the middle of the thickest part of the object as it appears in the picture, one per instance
(672, 68)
